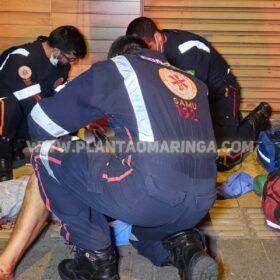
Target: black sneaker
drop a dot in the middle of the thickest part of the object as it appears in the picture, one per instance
(20, 159)
(90, 265)
(259, 117)
(188, 255)
(6, 172)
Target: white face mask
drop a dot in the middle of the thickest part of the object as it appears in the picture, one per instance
(53, 60)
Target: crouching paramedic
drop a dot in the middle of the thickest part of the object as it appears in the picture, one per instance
(196, 55)
(162, 194)
(28, 73)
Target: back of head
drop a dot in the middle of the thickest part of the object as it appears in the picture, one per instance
(143, 27)
(68, 39)
(126, 45)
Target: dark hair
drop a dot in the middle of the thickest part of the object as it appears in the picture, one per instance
(126, 45)
(143, 27)
(68, 39)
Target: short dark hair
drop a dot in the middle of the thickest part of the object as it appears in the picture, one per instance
(68, 39)
(143, 27)
(126, 45)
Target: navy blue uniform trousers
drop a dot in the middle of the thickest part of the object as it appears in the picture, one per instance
(69, 187)
(226, 116)
(13, 119)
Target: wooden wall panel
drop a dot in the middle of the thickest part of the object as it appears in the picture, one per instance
(246, 33)
(100, 21)
(35, 6)
(24, 18)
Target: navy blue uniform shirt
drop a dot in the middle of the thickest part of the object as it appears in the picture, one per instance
(27, 75)
(196, 55)
(147, 100)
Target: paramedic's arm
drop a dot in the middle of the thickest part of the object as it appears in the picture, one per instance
(74, 107)
(19, 81)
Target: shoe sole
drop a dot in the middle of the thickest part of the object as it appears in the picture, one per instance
(67, 278)
(63, 278)
(202, 267)
(73, 277)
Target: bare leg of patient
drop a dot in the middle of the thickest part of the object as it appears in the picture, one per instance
(29, 224)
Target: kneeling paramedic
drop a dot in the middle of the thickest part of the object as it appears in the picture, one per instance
(29, 73)
(162, 194)
(196, 55)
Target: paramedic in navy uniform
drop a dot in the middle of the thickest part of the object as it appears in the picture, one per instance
(162, 194)
(195, 55)
(28, 73)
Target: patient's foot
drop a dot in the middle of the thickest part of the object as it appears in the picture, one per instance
(6, 269)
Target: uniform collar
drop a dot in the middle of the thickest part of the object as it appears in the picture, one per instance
(152, 54)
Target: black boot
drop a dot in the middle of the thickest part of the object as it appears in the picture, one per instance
(90, 265)
(19, 158)
(187, 254)
(6, 152)
(259, 117)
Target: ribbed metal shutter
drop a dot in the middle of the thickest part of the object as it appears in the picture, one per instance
(247, 33)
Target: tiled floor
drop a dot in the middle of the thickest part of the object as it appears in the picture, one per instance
(245, 248)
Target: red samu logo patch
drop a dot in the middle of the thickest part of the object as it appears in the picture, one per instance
(178, 83)
(24, 72)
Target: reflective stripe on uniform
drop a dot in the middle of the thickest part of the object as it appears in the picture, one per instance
(44, 156)
(17, 51)
(60, 87)
(136, 98)
(191, 44)
(42, 119)
(27, 92)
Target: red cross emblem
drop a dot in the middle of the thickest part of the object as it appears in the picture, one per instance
(24, 72)
(178, 83)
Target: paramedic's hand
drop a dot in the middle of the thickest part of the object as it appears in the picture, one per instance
(100, 136)
(98, 133)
